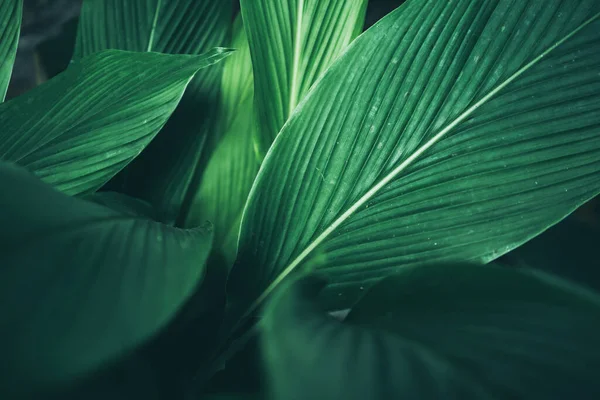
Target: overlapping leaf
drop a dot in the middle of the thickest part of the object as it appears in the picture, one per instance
(162, 173)
(453, 130)
(233, 166)
(79, 129)
(440, 332)
(10, 25)
(292, 43)
(568, 249)
(81, 284)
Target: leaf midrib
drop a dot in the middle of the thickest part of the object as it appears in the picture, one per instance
(293, 101)
(405, 164)
(153, 28)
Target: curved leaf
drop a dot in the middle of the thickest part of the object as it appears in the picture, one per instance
(124, 204)
(292, 43)
(162, 174)
(81, 284)
(441, 332)
(10, 25)
(80, 128)
(449, 131)
(165, 26)
(232, 168)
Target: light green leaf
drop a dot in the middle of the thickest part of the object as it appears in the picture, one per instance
(292, 43)
(10, 25)
(449, 131)
(226, 183)
(81, 284)
(441, 332)
(165, 26)
(80, 128)
(163, 172)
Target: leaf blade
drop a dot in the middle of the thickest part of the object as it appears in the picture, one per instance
(10, 25)
(441, 331)
(163, 172)
(380, 189)
(311, 35)
(231, 170)
(80, 128)
(75, 292)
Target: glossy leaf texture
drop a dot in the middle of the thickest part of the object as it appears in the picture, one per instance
(449, 131)
(292, 43)
(568, 249)
(77, 130)
(162, 174)
(226, 183)
(10, 25)
(81, 284)
(438, 332)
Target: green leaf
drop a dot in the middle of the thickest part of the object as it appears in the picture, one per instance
(567, 249)
(10, 25)
(292, 43)
(80, 128)
(449, 131)
(81, 284)
(233, 396)
(226, 183)
(163, 172)
(124, 204)
(440, 332)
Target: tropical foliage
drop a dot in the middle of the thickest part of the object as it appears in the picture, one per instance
(336, 212)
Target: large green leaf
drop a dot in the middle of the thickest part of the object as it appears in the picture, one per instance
(123, 204)
(292, 43)
(81, 284)
(10, 25)
(79, 129)
(163, 172)
(441, 332)
(449, 131)
(226, 183)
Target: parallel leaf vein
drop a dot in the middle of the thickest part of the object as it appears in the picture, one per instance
(408, 162)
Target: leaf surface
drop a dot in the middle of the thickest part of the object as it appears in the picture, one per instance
(162, 174)
(77, 130)
(292, 43)
(449, 131)
(81, 284)
(10, 24)
(438, 332)
(124, 204)
(226, 183)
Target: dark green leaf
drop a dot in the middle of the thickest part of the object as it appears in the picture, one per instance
(439, 332)
(232, 168)
(163, 172)
(233, 396)
(10, 25)
(292, 43)
(123, 204)
(81, 284)
(80, 128)
(449, 131)
(568, 250)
